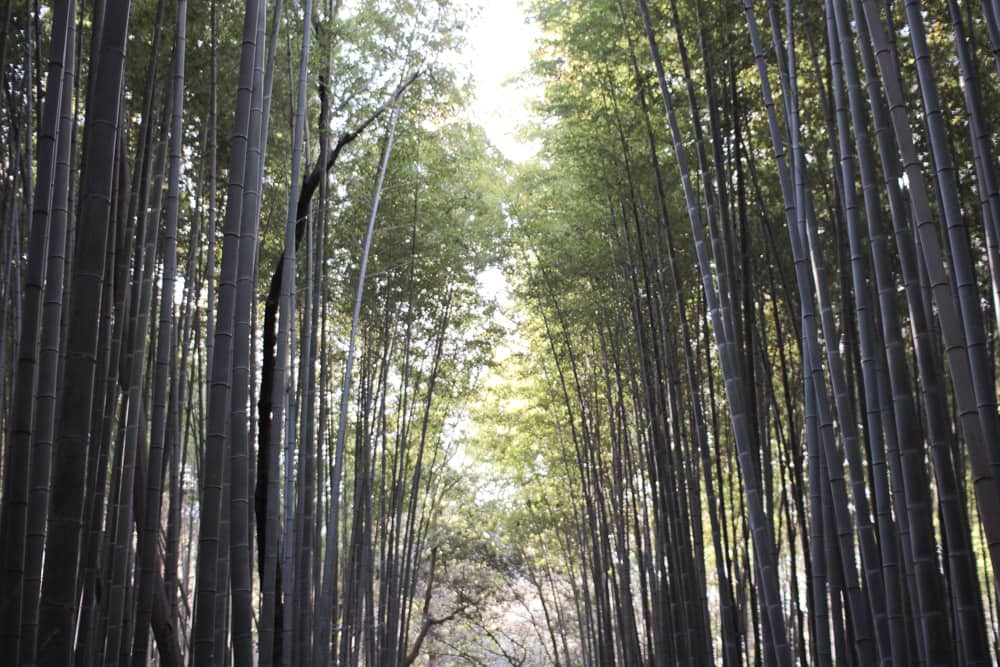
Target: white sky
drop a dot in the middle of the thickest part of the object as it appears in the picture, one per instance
(498, 54)
(500, 41)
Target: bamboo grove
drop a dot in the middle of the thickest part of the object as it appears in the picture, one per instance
(240, 253)
(734, 401)
(758, 276)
